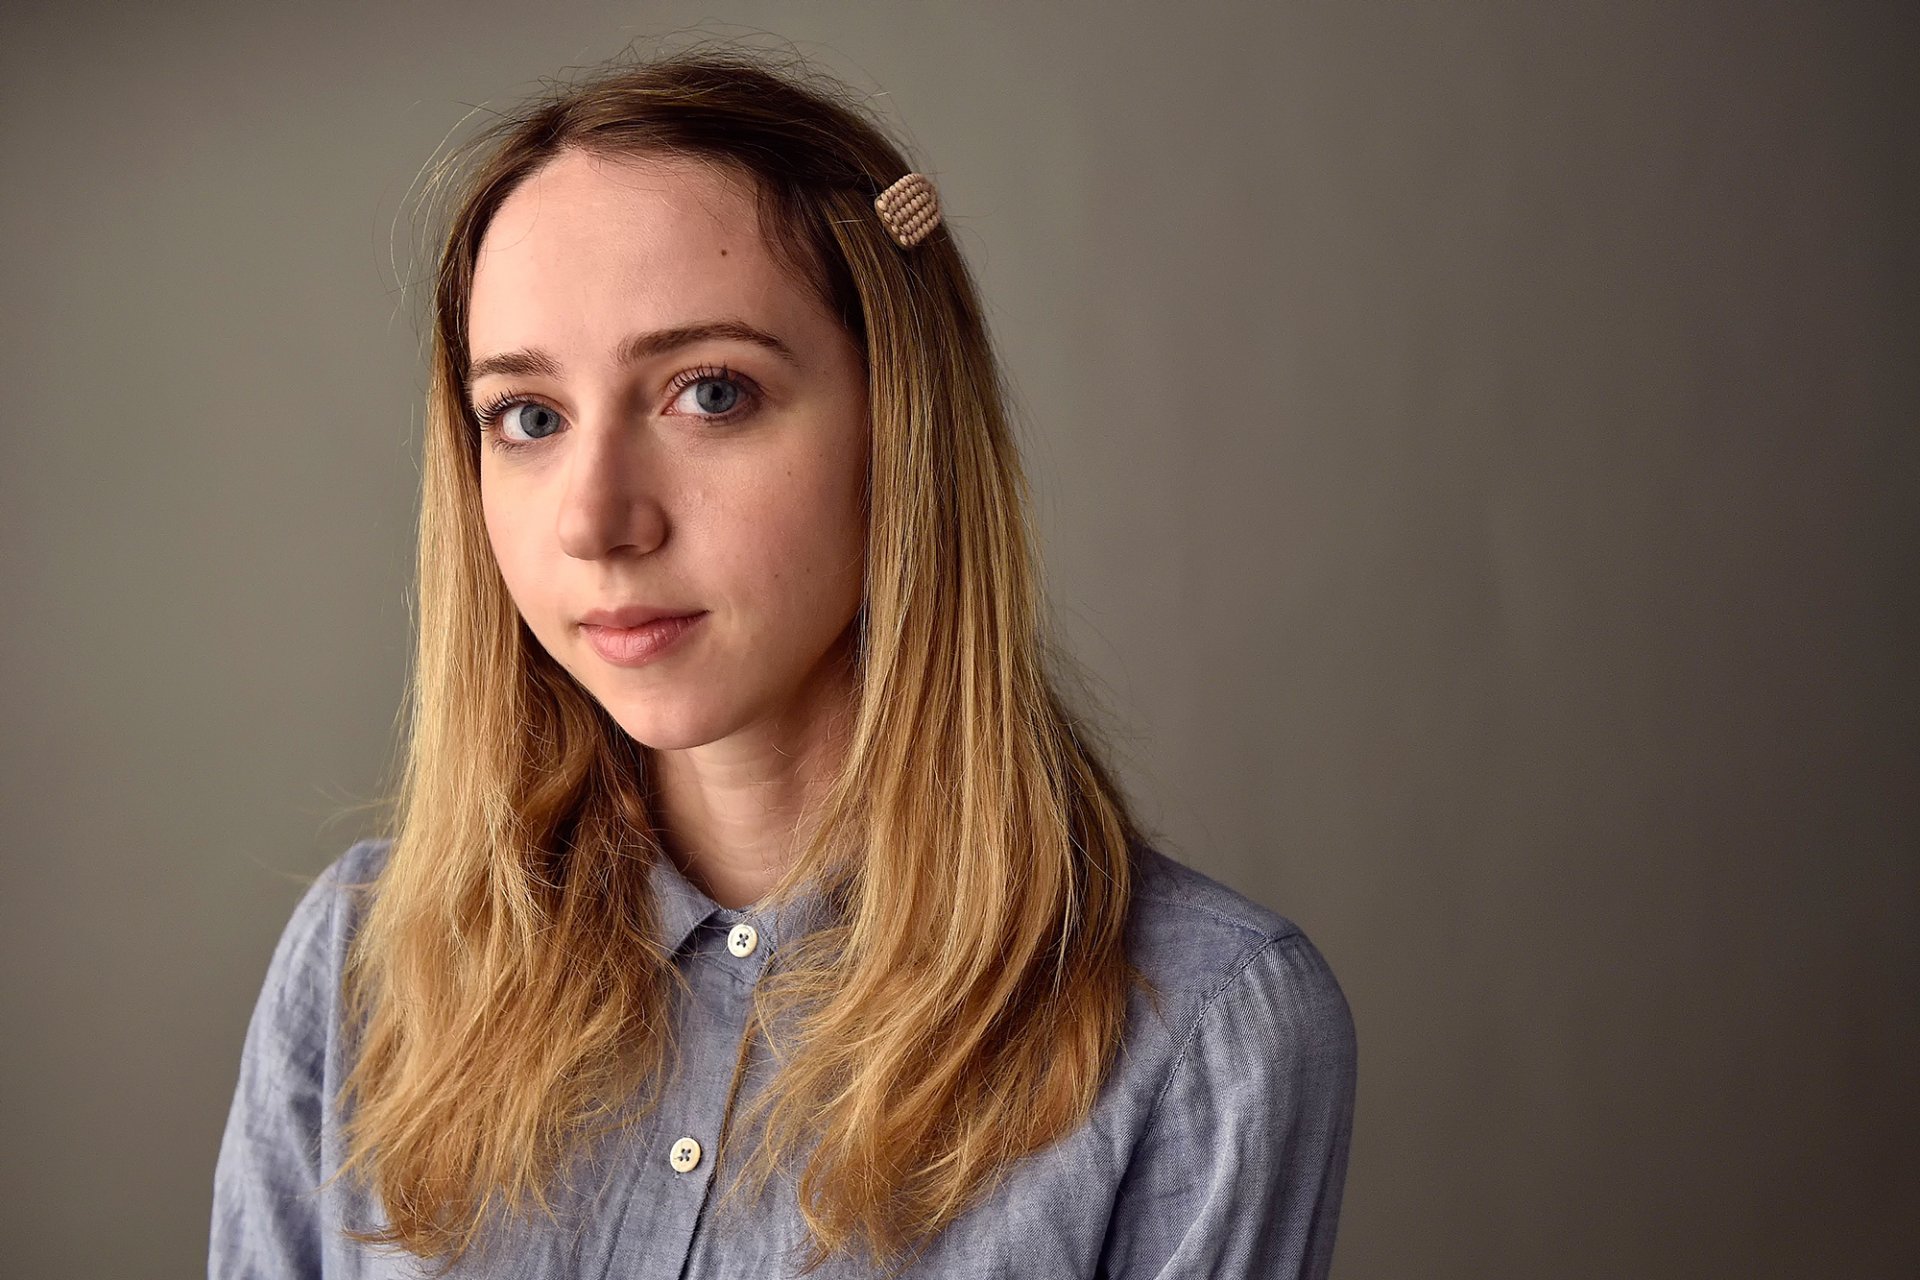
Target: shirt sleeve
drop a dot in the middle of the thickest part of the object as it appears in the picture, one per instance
(1242, 1165)
(267, 1218)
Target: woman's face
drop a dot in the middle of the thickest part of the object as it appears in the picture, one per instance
(675, 424)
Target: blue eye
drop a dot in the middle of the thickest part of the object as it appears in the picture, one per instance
(512, 410)
(714, 395)
(536, 420)
(718, 393)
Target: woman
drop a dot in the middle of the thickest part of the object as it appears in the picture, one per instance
(742, 831)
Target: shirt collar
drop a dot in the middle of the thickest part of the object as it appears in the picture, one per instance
(683, 907)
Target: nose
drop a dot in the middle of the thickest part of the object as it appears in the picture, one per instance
(610, 499)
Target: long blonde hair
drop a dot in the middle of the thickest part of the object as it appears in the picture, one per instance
(507, 993)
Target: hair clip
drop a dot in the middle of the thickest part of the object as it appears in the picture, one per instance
(909, 209)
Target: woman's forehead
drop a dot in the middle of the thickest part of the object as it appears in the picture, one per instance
(589, 241)
(612, 215)
(634, 184)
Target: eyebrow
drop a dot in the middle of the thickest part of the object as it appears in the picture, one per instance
(535, 363)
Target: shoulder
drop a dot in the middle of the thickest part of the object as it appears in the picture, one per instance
(336, 900)
(281, 1124)
(1188, 929)
(1245, 1087)
(311, 952)
(1231, 974)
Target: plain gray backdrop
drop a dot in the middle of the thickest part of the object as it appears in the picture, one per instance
(1475, 448)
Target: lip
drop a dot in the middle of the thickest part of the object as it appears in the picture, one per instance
(633, 615)
(633, 646)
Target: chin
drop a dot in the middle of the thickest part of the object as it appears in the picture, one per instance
(663, 723)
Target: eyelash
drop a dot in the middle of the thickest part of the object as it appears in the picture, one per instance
(489, 413)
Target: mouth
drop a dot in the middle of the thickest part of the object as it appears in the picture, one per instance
(636, 645)
(633, 615)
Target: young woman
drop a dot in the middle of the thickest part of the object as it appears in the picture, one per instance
(753, 904)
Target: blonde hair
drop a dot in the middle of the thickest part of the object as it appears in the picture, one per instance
(507, 991)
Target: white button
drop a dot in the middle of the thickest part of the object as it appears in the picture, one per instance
(743, 940)
(686, 1154)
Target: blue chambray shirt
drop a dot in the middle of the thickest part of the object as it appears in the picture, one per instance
(1217, 1147)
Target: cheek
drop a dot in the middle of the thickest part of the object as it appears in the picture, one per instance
(803, 542)
(512, 548)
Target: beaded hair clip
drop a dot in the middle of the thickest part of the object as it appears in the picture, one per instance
(909, 209)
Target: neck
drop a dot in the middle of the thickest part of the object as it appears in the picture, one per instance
(730, 812)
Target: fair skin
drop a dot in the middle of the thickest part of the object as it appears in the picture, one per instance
(662, 481)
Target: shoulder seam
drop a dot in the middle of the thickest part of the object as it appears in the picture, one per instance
(1271, 941)
(1224, 918)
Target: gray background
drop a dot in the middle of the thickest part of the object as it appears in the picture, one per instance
(1475, 447)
